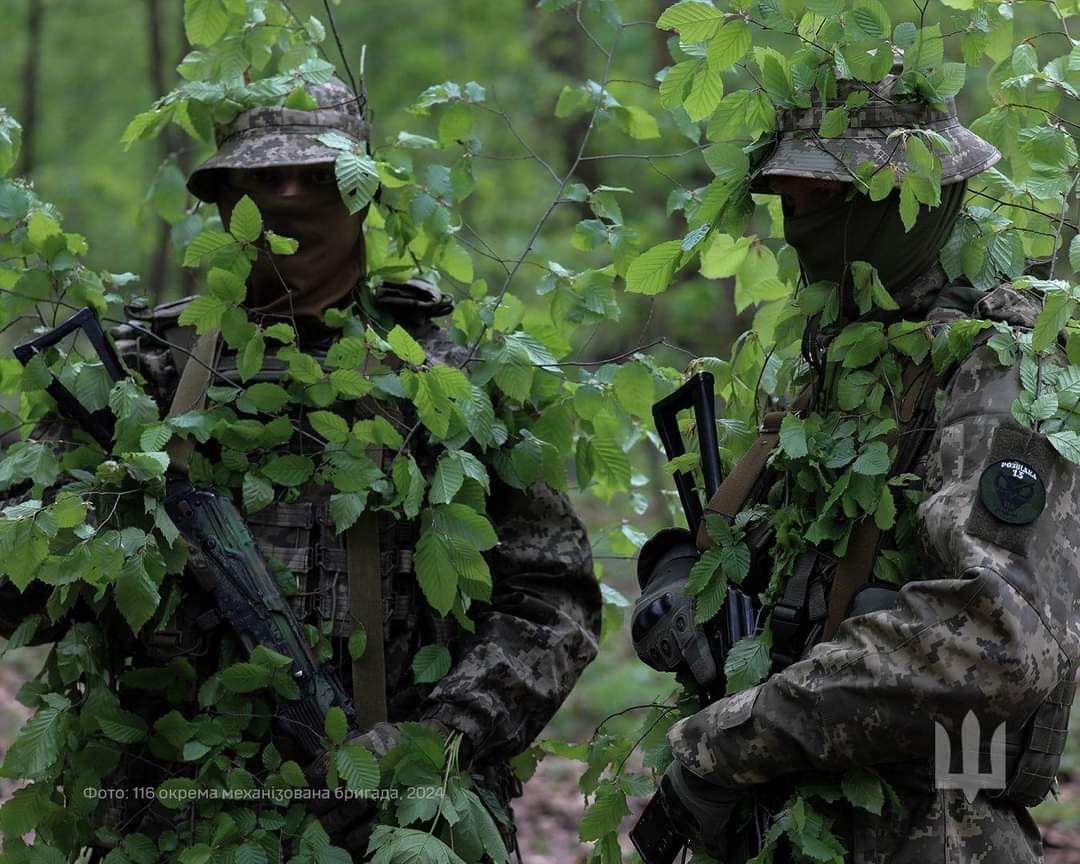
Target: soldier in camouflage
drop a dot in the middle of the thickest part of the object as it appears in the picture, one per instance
(540, 628)
(990, 629)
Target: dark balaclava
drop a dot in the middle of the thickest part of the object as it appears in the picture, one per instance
(325, 269)
(828, 240)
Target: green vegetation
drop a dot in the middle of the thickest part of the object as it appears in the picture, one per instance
(556, 186)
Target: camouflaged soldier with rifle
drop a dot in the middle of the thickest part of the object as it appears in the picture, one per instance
(540, 628)
(861, 670)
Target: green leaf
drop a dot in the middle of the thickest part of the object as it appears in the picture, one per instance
(1056, 312)
(748, 662)
(292, 773)
(634, 389)
(330, 426)
(835, 122)
(346, 508)
(793, 437)
(871, 19)
(123, 727)
(430, 664)
(1074, 253)
(291, 470)
(357, 767)
(882, 183)
(863, 789)
(651, 271)
(266, 396)
(358, 179)
(250, 360)
(404, 346)
(1067, 444)
(357, 643)
(204, 312)
(335, 724)
(885, 514)
(136, 593)
(695, 21)
(729, 45)
(205, 21)
(282, 246)
(246, 223)
(435, 571)
(37, 746)
(673, 87)
(873, 460)
(706, 91)
(909, 204)
(245, 677)
(449, 477)
(605, 813)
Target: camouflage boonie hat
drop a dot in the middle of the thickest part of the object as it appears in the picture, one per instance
(264, 137)
(801, 152)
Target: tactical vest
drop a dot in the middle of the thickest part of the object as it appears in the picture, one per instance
(808, 612)
(300, 536)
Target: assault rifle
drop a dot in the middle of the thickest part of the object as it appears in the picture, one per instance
(223, 556)
(653, 837)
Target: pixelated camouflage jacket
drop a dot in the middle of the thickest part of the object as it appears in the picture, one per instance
(531, 641)
(991, 629)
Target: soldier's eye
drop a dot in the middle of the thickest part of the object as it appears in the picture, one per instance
(323, 177)
(261, 177)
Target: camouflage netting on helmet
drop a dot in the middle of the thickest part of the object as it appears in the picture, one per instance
(800, 150)
(268, 136)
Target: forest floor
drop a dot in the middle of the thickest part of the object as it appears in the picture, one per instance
(548, 814)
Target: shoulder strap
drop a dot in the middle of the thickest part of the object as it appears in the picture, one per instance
(366, 609)
(191, 390)
(363, 564)
(854, 569)
(728, 500)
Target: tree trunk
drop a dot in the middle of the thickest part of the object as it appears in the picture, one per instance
(31, 83)
(561, 44)
(159, 263)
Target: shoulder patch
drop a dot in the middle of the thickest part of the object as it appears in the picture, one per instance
(1011, 493)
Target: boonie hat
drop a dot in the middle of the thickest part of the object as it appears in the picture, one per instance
(801, 152)
(268, 136)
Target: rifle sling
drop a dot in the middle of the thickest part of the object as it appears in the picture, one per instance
(191, 390)
(854, 569)
(366, 610)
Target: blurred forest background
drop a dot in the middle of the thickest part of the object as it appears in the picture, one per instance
(74, 74)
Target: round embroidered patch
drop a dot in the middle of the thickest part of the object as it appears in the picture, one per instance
(1012, 491)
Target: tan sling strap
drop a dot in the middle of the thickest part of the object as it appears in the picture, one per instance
(854, 569)
(191, 390)
(363, 566)
(736, 487)
(366, 610)
(728, 500)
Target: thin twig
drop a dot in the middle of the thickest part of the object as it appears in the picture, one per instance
(341, 48)
(563, 183)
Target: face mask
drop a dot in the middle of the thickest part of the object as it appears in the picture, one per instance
(863, 230)
(327, 266)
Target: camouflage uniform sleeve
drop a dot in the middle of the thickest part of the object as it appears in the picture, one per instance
(536, 635)
(989, 630)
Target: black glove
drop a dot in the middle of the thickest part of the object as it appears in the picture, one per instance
(347, 819)
(663, 629)
(350, 820)
(698, 809)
